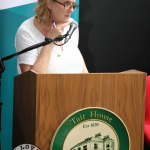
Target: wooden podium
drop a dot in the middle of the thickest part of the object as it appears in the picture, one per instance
(43, 101)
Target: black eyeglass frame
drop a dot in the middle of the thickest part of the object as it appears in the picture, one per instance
(72, 4)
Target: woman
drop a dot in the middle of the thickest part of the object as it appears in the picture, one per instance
(52, 19)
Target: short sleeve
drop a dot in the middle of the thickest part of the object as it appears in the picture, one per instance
(24, 38)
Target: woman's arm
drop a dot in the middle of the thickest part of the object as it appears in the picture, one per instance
(41, 64)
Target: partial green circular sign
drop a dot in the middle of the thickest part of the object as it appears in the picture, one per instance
(91, 128)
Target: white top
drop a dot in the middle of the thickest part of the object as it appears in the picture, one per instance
(69, 60)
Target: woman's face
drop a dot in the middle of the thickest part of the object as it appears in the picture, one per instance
(59, 13)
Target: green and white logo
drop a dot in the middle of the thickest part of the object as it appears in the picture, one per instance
(91, 128)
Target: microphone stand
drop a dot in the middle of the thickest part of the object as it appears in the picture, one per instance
(2, 67)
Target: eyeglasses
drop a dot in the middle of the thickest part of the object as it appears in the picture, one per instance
(68, 4)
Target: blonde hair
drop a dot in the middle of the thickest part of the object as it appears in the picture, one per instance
(43, 13)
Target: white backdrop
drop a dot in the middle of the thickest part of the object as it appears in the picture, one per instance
(4, 4)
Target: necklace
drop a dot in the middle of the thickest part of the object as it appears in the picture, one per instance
(58, 50)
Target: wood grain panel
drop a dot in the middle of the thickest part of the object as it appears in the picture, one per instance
(24, 109)
(55, 96)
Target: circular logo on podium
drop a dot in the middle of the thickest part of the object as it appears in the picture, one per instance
(26, 147)
(91, 128)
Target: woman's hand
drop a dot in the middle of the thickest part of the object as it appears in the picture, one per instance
(57, 30)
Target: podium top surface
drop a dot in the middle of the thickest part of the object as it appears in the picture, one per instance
(132, 71)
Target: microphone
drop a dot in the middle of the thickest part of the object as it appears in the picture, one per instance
(73, 26)
(67, 36)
